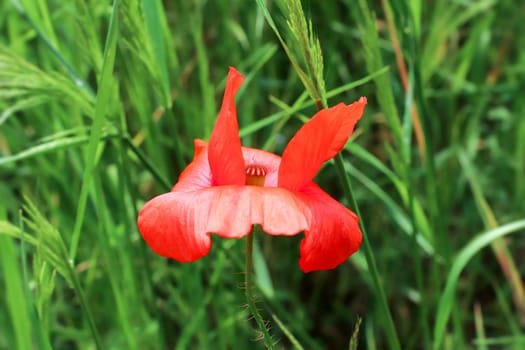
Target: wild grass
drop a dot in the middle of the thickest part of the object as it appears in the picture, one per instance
(99, 106)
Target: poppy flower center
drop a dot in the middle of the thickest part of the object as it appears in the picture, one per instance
(255, 175)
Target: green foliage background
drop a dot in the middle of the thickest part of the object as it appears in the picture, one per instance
(99, 106)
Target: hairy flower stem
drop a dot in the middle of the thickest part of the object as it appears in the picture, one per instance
(250, 298)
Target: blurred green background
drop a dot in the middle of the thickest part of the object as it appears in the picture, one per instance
(99, 105)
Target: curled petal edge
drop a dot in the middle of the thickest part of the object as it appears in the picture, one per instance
(333, 235)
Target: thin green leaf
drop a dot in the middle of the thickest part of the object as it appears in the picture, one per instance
(153, 18)
(103, 99)
(14, 293)
(479, 242)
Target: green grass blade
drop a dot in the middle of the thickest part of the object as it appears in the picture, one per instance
(479, 242)
(262, 274)
(396, 213)
(51, 146)
(13, 231)
(388, 321)
(104, 98)
(296, 344)
(263, 122)
(53, 250)
(49, 39)
(16, 302)
(152, 16)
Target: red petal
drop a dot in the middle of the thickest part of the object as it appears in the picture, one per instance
(234, 209)
(177, 224)
(172, 225)
(316, 142)
(199, 146)
(197, 174)
(334, 232)
(225, 156)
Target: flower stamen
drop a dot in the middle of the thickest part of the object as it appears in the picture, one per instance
(255, 175)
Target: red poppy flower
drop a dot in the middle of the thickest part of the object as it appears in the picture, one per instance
(228, 188)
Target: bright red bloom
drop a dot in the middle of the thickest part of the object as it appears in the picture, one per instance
(228, 188)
